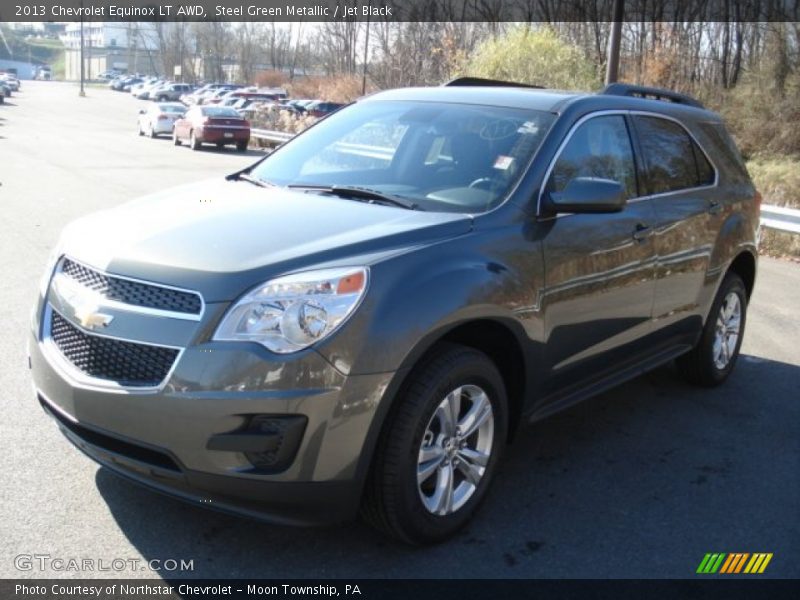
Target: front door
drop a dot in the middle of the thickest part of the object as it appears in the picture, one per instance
(599, 268)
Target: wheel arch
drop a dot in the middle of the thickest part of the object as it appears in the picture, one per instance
(502, 340)
(744, 265)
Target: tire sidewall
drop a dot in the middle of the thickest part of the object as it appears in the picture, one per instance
(732, 283)
(429, 527)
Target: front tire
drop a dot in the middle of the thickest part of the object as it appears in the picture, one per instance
(711, 361)
(439, 449)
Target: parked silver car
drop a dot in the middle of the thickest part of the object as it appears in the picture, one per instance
(170, 92)
(10, 81)
(159, 118)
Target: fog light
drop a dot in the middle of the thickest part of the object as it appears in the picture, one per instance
(269, 442)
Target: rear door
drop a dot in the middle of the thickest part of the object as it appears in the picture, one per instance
(599, 268)
(681, 182)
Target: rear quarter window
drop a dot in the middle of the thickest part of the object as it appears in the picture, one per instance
(726, 155)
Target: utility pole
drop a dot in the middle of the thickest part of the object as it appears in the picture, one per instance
(129, 43)
(366, 53)
(182, 40)
(89, 60)
(82, 92)
(612, 63)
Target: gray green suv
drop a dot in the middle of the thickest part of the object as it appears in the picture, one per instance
(361, 320)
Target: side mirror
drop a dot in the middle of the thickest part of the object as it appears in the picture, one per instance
(142, 111)
(588, 195)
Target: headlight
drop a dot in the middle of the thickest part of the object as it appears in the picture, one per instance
(290, 313)
(50, 266)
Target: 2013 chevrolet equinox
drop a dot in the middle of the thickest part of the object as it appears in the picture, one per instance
(363, 318)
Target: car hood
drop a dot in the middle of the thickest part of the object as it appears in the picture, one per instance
(219, 237)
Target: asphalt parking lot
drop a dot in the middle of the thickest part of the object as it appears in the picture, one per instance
(641, 481)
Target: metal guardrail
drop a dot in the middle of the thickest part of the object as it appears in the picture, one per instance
(278, 137)
(773, 217)
(780, 218)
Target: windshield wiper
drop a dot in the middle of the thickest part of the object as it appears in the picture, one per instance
(359, 193)
(253, 180)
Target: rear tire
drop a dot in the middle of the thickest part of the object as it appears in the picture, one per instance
(241, 146)
(439, 448)
(152, 132)
(714, 356)
(175, 139)
(194, 144)
(139, 127)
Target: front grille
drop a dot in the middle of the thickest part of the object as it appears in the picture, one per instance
(126, 363)
(133, 292)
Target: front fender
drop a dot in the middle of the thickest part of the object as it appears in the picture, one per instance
(426, 292)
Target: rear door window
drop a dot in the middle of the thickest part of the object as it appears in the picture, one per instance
(673, 160)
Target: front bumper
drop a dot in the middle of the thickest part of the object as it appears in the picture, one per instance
(159, 438)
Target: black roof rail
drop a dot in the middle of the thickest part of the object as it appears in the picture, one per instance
(480, 81)
(649, 93)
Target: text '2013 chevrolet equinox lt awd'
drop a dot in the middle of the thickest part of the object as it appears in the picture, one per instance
(361, 319)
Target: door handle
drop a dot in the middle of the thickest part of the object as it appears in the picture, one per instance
(642, 232)
(714, 207)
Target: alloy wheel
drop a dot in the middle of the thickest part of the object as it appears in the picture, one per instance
(455, 450)
(726, 333)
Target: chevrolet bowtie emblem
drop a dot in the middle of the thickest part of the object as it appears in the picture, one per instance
(90, 319)
(85, 303)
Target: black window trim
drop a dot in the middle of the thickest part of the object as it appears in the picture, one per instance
(639, 160)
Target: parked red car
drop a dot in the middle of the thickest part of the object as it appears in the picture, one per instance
(218, 125)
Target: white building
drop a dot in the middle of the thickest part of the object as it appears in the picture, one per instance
(129, 47)
(26, 26)
(141, 36)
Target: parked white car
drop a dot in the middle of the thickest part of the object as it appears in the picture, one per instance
(159, 118)
(142, 91)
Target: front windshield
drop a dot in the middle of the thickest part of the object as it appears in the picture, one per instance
(441, 156)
